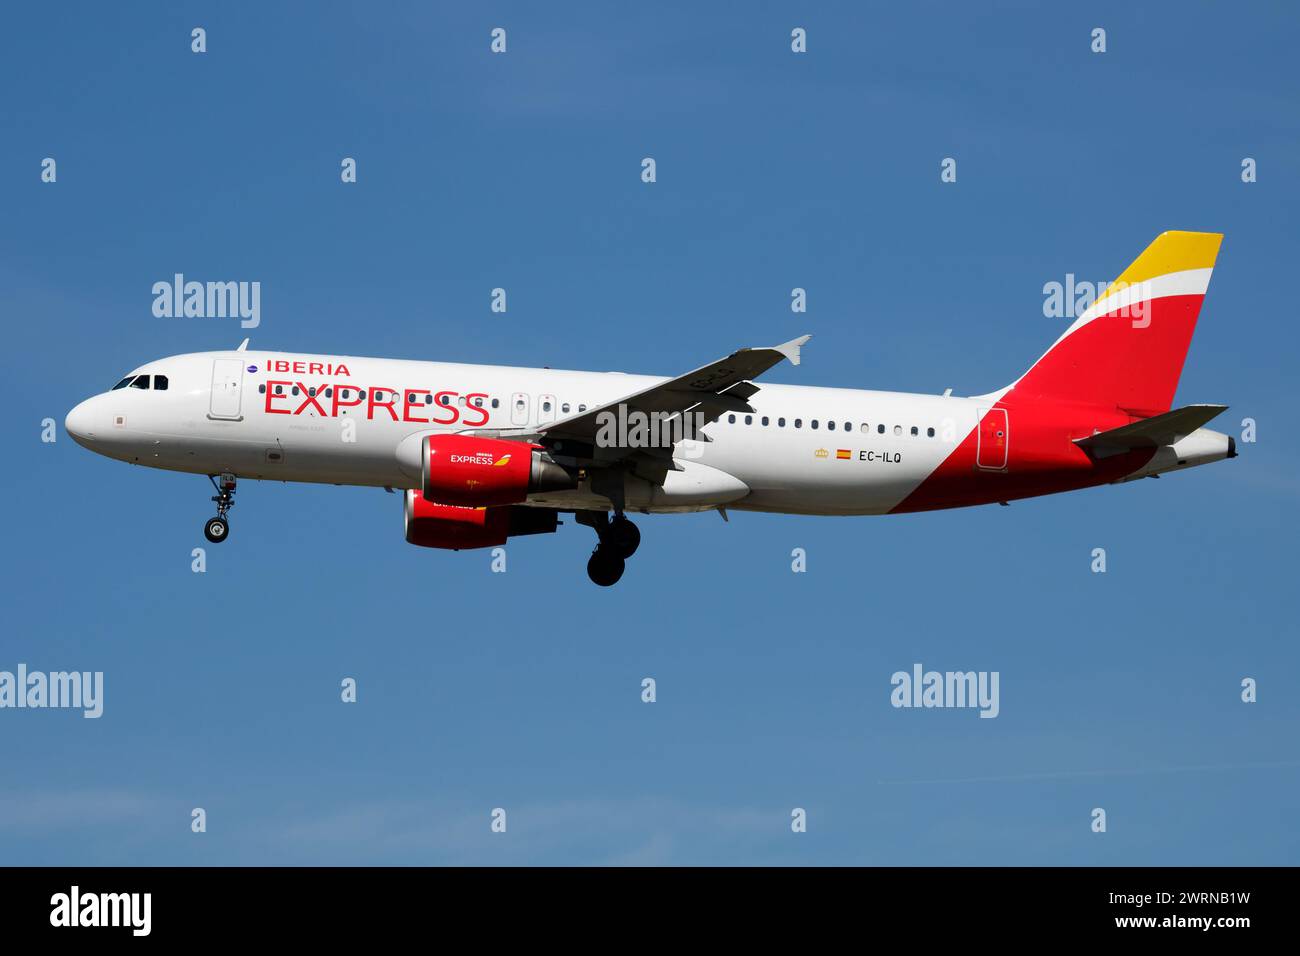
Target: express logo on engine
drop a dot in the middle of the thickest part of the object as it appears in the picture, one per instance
(480, 458)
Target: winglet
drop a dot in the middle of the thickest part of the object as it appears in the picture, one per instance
(791, 349)
(243, 346)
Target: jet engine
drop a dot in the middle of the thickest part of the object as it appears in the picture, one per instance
(458, 527)
(475, 472)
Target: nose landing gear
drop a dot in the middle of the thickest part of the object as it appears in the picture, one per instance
(619, 539)
(218, 529)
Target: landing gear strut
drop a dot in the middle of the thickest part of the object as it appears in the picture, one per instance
(619, 539)
(218, 529)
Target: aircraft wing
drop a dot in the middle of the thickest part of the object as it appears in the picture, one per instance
(1151, 432)
(706, 392)
(712, 389)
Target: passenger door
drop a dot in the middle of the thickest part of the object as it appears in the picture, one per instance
(227, 384)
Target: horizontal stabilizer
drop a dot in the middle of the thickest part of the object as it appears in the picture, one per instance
(1154, 432)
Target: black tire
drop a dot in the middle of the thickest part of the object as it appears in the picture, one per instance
(216, 530)
(604, 568)
(623, 537)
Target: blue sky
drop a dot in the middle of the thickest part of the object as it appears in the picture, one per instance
(522, 690)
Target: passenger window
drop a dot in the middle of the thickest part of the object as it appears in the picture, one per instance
(731, 419)
(478, 403)
(279, 390)
(780, 423)
(565, 408)
(546, 406)
(865, 428)
(261, 389)
(329, 392)
(915, 430)
(428, 398)
(496, 403)
(848, 426)
(160, 383)
(749, 419)
(831, 426)
(813, 423)
(361, 394)
(880, 429)
(930, 432)
(141, 381)
(295, 390)
(898, 429)
(582, 408)
(798, 423)
(765, 420)
(311, 390)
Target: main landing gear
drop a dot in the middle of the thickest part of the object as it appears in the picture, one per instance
(218, 529)
(619, 539)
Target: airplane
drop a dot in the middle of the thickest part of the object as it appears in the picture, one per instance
(484, 453)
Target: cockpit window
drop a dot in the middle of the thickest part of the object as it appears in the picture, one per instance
(141, 381)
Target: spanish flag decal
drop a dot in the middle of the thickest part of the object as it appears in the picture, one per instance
(843, 454)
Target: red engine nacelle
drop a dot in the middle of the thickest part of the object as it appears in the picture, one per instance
(463, 470)
(457, 527)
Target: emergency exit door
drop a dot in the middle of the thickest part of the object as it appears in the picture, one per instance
(991, 445)
(519, 409)
(227, 383)
(546, 406)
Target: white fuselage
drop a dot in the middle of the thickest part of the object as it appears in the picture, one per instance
(803, 450)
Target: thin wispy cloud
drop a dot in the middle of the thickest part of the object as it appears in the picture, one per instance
(1111, 772)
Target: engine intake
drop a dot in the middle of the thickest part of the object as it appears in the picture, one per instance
(464, 470)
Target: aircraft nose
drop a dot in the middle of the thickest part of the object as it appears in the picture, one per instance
(80, 423)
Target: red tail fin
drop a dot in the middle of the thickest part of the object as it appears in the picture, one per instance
(1127, 350)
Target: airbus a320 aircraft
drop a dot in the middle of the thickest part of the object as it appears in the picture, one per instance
(484, 452)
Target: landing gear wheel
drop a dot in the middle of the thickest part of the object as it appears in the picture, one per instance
(216, 530)
(604, 568)
(622, 536)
